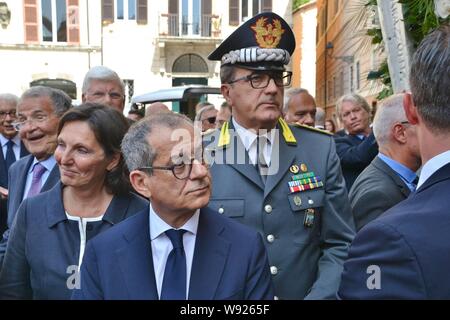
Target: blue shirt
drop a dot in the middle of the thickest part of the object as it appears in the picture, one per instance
(48, 163)
(406, 174)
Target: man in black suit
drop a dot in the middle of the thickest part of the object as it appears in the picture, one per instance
(404, 254)
(391, 175)
(357, 148)
(12, 148)
(38, 113)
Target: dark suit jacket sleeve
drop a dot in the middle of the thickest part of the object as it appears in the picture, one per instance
(90, 277)
(15, 274)
(368, 206)
(259, 282)
(337, 231)
(400, 274)
(356, 156)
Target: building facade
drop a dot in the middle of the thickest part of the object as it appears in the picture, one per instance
(151, 44)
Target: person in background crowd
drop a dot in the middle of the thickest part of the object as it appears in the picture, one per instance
(156, 108)
(300, 107)
(320, 119)
(223, 115)
(391, 176)
(38, 113)
(103, 85)
(135, 114)
(404, 254)
(175, 248)
(357, 148)
(330, 126)
(283, 181)
(12, 149)
(201, 105)
(206, 116)
(48, 239)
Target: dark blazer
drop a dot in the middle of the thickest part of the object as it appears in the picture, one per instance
(355, 155)
(376, 189)
(229, 262)
(306, 261)
(44, 246)
(409, 245)
(3, 173)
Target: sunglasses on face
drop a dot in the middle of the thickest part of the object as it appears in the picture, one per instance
(211, 120)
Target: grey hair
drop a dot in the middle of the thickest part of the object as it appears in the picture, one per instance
(60, 100)
(388, 113)
(198, 116)
(101, 73)
(9, 98)
(135, 147)
(354, 98)
(289, 94)
(430, 79)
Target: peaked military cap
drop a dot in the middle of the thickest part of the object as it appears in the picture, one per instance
(265, 42)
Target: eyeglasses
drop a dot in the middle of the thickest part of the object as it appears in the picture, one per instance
(38, 118)
(113, 95)
(11, 113)
(180, 171)
(261, 80)
(404, 122)
(211, 120)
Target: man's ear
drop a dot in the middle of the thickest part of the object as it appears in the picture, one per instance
(398, 131)
(225, 89)
(83, 98)
(410, 109)
(140, 183)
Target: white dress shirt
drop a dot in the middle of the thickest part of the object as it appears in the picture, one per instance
(249, 140)
(433, 165)
(16, 146)
(162, 246)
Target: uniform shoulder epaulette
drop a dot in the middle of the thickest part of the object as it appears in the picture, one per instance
(312, 129)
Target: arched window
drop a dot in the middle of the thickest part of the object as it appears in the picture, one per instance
(190, 63)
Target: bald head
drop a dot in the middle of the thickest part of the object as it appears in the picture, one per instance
(156, 108)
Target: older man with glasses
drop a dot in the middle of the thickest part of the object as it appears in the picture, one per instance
(38, 113)
(284, 181)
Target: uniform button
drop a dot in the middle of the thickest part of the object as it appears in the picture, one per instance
(268, 208)
(270, 238)
(310, 201)
(273, 270)
(276, 298)
(221, 210)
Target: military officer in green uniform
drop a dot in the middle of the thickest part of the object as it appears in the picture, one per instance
(283, 180)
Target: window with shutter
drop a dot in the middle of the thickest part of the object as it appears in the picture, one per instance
(206, 18)
(31, 21)
(266, 5)
(107, 11)
(73, 22)
(234, 12)
(142, 11)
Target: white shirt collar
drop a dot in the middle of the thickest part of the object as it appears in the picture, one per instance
(433, 165)
(158, 226)
(248, 137)
(4, 140)
(48, 163)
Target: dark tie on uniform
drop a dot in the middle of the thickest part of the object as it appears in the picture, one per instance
(174, 281)
(261, 163)
(10, 157)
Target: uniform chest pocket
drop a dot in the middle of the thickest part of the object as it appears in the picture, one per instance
(228, 207)
(306, 209)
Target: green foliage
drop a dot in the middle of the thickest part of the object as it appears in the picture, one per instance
(298, 3)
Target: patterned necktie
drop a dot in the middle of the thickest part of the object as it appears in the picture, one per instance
(10, 157)
(35, 188)
(174, 281)
(261, 163)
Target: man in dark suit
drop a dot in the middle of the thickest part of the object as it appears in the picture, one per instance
(175, 249)
(391, 175)
(38, 113)
(283, 181)
(404, 254)
(12, 149)
(358, 147)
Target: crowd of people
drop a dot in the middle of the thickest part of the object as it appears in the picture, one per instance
(262, 198)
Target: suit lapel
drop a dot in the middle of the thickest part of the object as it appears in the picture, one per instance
(52, 179)
(440, 175)
(279, 148)
(3, 171)
(209, 260)
(23, 151)
(136, 262)
(22, 177)
(382, 166)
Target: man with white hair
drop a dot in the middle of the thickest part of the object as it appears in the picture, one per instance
(103, 85)
(391, 176)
